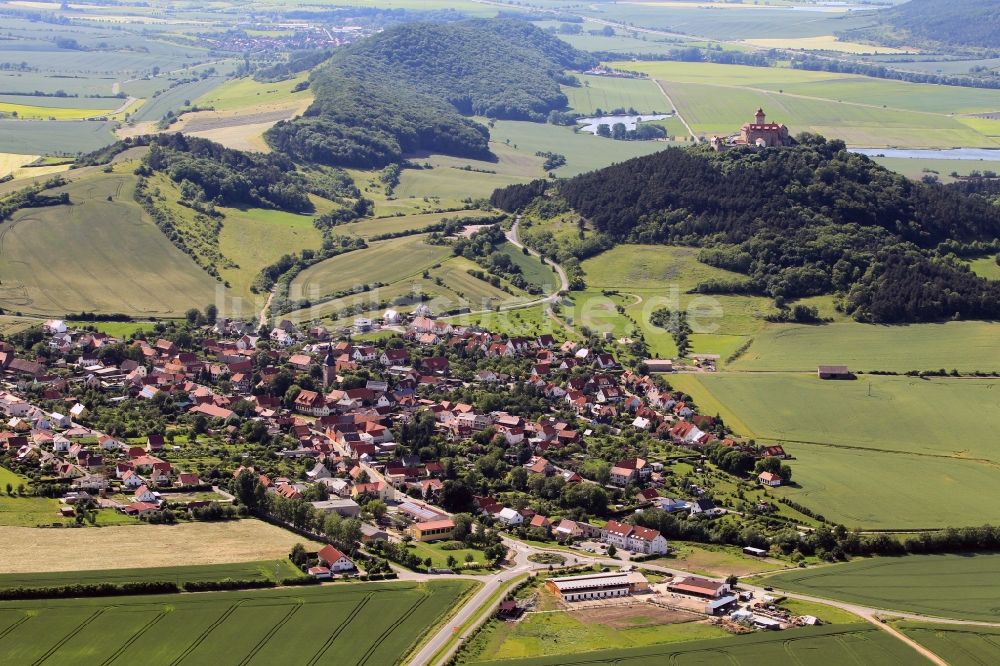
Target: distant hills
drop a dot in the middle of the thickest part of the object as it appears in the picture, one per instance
(407, 88)
(967, 23)
(797, 222)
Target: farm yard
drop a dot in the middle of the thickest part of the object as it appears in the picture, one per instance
(953, 586)
(715, 560)
(143, 546)
(819, 646)
(904, 460)
(344, 624)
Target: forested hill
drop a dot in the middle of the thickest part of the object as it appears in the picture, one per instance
(802, 221)
(969, 23)
(406, 89)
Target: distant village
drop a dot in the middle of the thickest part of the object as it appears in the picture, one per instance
(342, 433)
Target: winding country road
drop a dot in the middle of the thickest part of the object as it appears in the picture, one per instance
(515, 240)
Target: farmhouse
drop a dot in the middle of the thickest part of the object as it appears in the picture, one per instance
(598, 586)
(769, 479)
(334, 559)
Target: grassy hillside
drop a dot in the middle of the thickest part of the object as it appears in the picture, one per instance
(385, 262)
(880, 452)
(99, 254)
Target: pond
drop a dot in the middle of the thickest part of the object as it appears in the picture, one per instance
(590, 124)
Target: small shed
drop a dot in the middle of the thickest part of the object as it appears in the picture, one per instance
(834, 372)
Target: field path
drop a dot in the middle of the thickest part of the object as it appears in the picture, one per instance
(551, 299)
(674, 107)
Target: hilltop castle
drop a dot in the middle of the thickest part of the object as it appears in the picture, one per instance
(759, 133)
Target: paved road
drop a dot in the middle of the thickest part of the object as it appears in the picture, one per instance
(474, 607)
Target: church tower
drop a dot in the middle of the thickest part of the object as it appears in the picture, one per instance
(759, 117)
(329, 367)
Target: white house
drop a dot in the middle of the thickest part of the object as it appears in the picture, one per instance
(132, 480)
(60, 420)
(53, 326)
(510, 517)
(109, 443)
(335, 560)
(144, 494)
(769, 479)
(318, 472)
(634, 539)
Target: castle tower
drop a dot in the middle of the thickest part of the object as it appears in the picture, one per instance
(329, 367)
(759, 116)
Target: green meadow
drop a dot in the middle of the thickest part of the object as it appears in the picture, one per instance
(954, 586)
(650, 277)
(879, 452)
(831, 645)
(967, 346)
(583, 151)
(273, 232)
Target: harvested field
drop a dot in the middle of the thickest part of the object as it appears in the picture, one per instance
(139, 546)
(204, 121)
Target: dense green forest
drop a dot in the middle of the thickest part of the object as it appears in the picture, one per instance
(209, 173)
(813, 219)
(407, 88)
(968, 23)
